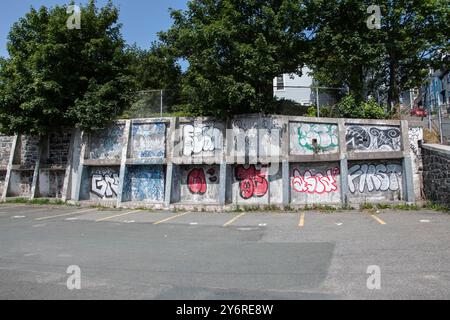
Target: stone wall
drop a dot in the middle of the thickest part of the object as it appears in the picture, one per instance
(59, 145)
(436, 173)
(29, 151)
(5, 150)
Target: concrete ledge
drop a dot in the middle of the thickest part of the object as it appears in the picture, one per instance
(142, 162)
(374, 155)
(438, 148)
(101, 163)
(315, 158)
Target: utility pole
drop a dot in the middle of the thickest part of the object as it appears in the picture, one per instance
(161, 109)
(318, 102)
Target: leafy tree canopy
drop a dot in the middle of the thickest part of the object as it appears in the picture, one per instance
(234, 49)
(58, 77)
(344, 51)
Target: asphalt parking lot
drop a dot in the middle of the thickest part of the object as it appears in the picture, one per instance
(135, 254)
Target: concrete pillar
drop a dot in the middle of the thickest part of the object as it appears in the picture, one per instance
(168, 192)
(343, 161)
(344, 182)
(286, 183)
(170, 154)
(223, 183)
(410, 195)
(9, 167)
(123, 161)
(408, 179)
(37, 167)
(78, 164)
(67, 189)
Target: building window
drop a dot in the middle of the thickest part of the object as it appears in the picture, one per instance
(280, 83)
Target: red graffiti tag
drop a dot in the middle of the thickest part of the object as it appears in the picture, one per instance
(253, 182)
(197, 181)
(315, 183)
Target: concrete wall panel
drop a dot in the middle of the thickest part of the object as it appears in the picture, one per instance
(20, 184)
(375, 181)
(51, 183)
(373, 138)
(315, 183)
(416, 135)
(255, 138)
(198, 184)
(148, 140)
(100, 183)
(202, 139)
(107, 144)
(257, 185)
(144, 183)
(311, 138)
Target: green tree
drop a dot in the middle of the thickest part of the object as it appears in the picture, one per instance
(344, 51)
(155, 68)
(234, 49)
(56, 76)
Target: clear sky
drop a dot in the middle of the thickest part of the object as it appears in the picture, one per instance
(141, 19)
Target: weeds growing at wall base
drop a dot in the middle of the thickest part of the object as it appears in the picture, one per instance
(37, 202)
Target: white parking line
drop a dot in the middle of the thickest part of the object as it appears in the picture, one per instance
(65, 214)
(118, 215)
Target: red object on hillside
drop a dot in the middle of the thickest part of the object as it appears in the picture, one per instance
(419, 112)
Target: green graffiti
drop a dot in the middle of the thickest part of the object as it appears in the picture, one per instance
(325, 136)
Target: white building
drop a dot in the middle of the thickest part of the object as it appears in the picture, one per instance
(300, 89)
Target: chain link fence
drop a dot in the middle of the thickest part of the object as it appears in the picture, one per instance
(149, 104)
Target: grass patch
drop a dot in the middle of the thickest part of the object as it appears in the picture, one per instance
(436, 207)
(366, 206)
(37, 201)
(321, 208)
(405, 207)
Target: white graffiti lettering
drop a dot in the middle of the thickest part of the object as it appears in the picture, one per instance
(105, 185)
(200, 139)
(374, 177)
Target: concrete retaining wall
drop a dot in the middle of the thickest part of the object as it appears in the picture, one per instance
(436, 173)
(202, 163)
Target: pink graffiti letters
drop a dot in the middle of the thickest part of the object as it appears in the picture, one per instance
(315, 183)
(253, 182)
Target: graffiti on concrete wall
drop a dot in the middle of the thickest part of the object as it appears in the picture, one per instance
(201, 138)
(105, 183)
(415, 135)
(369, 138)
(310, 138)
(197, 180)
(253, 181)
(315, 182)
(374, 177)
(148, 140)
(145, 183)
(256, 138)
(106, 144)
